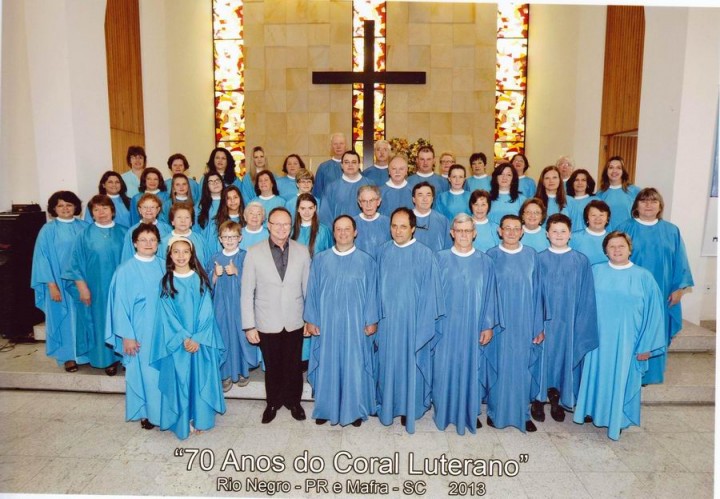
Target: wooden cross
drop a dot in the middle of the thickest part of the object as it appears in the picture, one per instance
(368, 77)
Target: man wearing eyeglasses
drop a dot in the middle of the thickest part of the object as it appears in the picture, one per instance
(373, 228)
(274, 281)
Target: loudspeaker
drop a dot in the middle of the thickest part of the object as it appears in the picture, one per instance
(18, 314)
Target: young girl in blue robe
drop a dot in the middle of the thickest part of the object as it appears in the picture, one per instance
(54, 295)
(227, 264)
(131, 314)
(187, 347)
(617, 191)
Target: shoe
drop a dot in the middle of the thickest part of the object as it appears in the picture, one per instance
(297, 412)
(478, 424)
(146, 424)
(269, 414)
(319, 421)
(558, 413)
(305, 364)
(70, 366)
(588, 419)
(530, 426)
(537, 411)
(403, 420)
(112, 369)
(490, 422)
(227, 384)
(357, 423)
(243, 382)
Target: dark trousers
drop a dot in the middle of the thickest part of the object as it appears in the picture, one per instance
(282, 353)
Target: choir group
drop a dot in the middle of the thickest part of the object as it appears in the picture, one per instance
(435, 290)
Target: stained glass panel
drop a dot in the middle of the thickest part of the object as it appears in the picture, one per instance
(511, 67)
(372, 10)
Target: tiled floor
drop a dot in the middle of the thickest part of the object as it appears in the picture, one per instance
(78, 443)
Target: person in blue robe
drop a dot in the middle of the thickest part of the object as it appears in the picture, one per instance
(287, 185)
(136, 160)
(504, 193)
(439, 183)
(456, 199)
(181, 219)
(266, 188)
(378, 172)
(465, 363)
(151, 181)
(570, 319)
(342, 310)
(486, 231)
(254, 230)
(432, 229)
(240, 355)
(589, 241)
(149, 207)
(373, 228)
(659, 248)
(179, 192)
(580, 187)
(112, 185)
(231, 208)
(54, 295)
(630, 330)
(551, 191)
(340, 197)
(533, 215)
(95, 256)
(526, 185)
(479, 180)
(187, 347)
(329, 171)
(396, 192)
(411, 301)
(131, 314)
(258, 164)
(519, 345)
(304, 180)
(178, 164)
(617, 191)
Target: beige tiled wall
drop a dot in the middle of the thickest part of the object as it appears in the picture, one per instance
(286, 40)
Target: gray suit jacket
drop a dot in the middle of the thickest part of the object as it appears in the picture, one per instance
(268, 303)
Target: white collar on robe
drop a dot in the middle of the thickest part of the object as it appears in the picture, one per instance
(532, 231)
(234, 218)
(521, 177)
(186, 236)
(463, 255)
(232, 253)
(484, 222)
(456, 193)
(108, 226)
(596, 234)
(305, 224)
(509, 251)
(552, 196)
(215, 197)
(621, 267)
(267, 198)
(500, 191)
(647, 224)
(559, 251)
(113, 196)
(337, 160)
(390, 184)
(249, 231)
(181, 198)
(184, 276)
(582, 197)
(417, 214)
(381, 167)
(480, 177)
(348, 179)
(375, 217)
(146, 259)
(343, 253)
(148, 191)
(425, 175)
(291, 178)
(409, 243)
(65, 221)
(615, 186)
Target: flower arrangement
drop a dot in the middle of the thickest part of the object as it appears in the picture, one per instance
(401, 145)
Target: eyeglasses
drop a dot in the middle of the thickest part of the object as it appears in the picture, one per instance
(229, 238)
(533, 212)
(282, 226)
(143, 240)
(368, 201)
(467, 232)
(214, 181)
(511, 229)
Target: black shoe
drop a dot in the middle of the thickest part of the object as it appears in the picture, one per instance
(357, 423)
(558, 413)
(490, 422)
(588, 419)
(403, 420)
(146, 424)
(537, 411)
(297, 412)
(478, 424)
(269, 414)
(305, 364)
(530, 426)
(319, 421)
(112, 369)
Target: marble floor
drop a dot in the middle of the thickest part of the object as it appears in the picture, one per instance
(77, 443)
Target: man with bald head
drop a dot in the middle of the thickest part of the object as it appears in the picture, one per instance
(330, 170)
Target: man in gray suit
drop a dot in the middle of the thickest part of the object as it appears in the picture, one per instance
(274, 280)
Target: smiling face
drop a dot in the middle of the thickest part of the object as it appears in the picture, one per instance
(177, 166)
(615, 172)
(182, 221)
(148, 211)
(137, 162)
(446, 161)
(580, 184)
(423, 199)
(254, 218)
(504, 179)
(369, 203)
(65, 210)
(152, 182)
(344, 234)
(307, 210)
(232, 200)
(480, 209)
(305, 185)
(551, 181)
(532, 215)
(648, 209)
(519, 164)
(230, 239)
(146, 244)
(425, 162)
(558, 234)
(565, 169)
(279, 226)
(112, 185)
(181, 186)
(510, 232)
(265, 185)
(400, 228)
(181, 254)
(618, 251)
(259, 160)
(597, 219)
(102, 214)
(457, 179)
(398, 170)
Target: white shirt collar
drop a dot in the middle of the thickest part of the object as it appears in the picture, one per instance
(463, 255)
(343, 253)
(559, 251)
(509, 251)
(552, 196)
(148, 191)
(375, 217)
(621, 267)
(144, 258)
(648, 224)
(348, 179)
(531, 231)
(184, 276)
(390, 184)
(231, 253)
(409, 243)
(108, 226)
(290, 177)
(337, 160)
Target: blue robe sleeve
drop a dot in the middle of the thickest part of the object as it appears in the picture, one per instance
(42, 269)
(585, 317)
(372, 305)
(311, 313)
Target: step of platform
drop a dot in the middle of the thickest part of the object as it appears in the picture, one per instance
(694, 338)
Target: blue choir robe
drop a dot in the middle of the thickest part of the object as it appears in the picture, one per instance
(134, 214)
(211, 238)
(327, 172)
(372, 234)
(440, 183)
(131, 314)
(165, 213)
(394, 197)
(475, 183)
(194, 188)
(536, 239)
(451, 203)
(378, 175)
(433, 230)
(240, 355)
(95, 256)
(51, 257)
(291, 206)
(132, 182)
(620, 203)
(519, 360)
(128, 250)
(464, 370)
(629, 323)
(578, 211)
(589, 244)
(487, 235)
(270, 202)
(411, 300)
(504, 205)
(570, 321)
(189, 382)
(527, 187)
(287, 187)
(250, 238)
(342, 300)
(214, 207)
(247, 189)
(122, 212)
(340, 198)
(659, 248)
(553, 207)
(196, 238)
